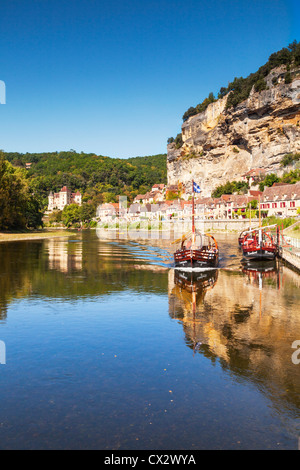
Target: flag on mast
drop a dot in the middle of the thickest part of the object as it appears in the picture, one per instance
(196, 188)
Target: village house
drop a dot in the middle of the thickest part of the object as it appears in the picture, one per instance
(139, 198)
(58, 201)
(254, 176)
(281, 200)
(158, 187)
(159, 197)
(108, 211)
(156, 194)
(147, 198)
(134, 211)
(205, 207)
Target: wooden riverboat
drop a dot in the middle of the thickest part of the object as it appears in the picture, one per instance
(260, 244)
(197, 250)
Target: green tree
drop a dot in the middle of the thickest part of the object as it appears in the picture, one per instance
(269, 181)
(288, 78)
(71, 215)
(19, 209)
(88, 212)
(253, 204)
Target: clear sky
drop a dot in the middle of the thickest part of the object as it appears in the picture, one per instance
(115, 77)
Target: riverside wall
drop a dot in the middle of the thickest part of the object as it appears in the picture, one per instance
(228, 225)
(292, 257)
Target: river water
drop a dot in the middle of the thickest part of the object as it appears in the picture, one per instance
(109, 347)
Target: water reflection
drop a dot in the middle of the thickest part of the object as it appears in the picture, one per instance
(247, 322)
(80, 268)
(19, 263)
(219, 340)
(258, 272)
(65, 256)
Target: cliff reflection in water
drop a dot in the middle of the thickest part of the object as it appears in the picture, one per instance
(247, 321)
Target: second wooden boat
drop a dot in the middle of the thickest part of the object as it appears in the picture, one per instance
(260, 244)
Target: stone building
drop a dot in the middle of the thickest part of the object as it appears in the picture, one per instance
(57, 201)
(281, 199)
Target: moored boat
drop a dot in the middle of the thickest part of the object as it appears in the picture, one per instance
(197, 250)
(260, 244)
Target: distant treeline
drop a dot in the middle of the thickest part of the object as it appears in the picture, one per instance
(95, 176)
(240, 88)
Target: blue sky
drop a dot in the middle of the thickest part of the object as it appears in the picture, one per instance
(116, 77)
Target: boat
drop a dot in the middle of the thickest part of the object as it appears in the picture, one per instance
(261, 244)
(197, 250)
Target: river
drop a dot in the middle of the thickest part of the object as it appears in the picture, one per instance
(108, 347)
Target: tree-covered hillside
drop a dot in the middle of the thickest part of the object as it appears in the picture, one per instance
(98, 178)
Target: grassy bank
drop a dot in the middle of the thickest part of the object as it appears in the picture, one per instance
(36, 235)
(293, 231)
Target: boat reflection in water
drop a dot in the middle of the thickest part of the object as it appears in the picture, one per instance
(261, 270)
(189, 289)
(269, 272)
(196, 281)
(241, 320)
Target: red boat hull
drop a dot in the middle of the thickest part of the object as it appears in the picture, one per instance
(196, 259)
(268, 253)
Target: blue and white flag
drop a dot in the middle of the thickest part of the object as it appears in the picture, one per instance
(196, 188)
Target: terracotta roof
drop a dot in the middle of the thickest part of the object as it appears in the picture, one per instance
(285, 191)
(255, 172)
(255, 193)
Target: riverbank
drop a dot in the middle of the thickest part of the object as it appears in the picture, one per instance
(175, 226)
(36, 235)
(291, 256)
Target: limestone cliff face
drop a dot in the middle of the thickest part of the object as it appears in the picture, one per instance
(221, 145)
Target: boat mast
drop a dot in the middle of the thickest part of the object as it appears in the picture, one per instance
(250, 213)
(193, 216)
(260, 231)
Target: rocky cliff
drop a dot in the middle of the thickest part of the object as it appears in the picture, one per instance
(221, 144)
